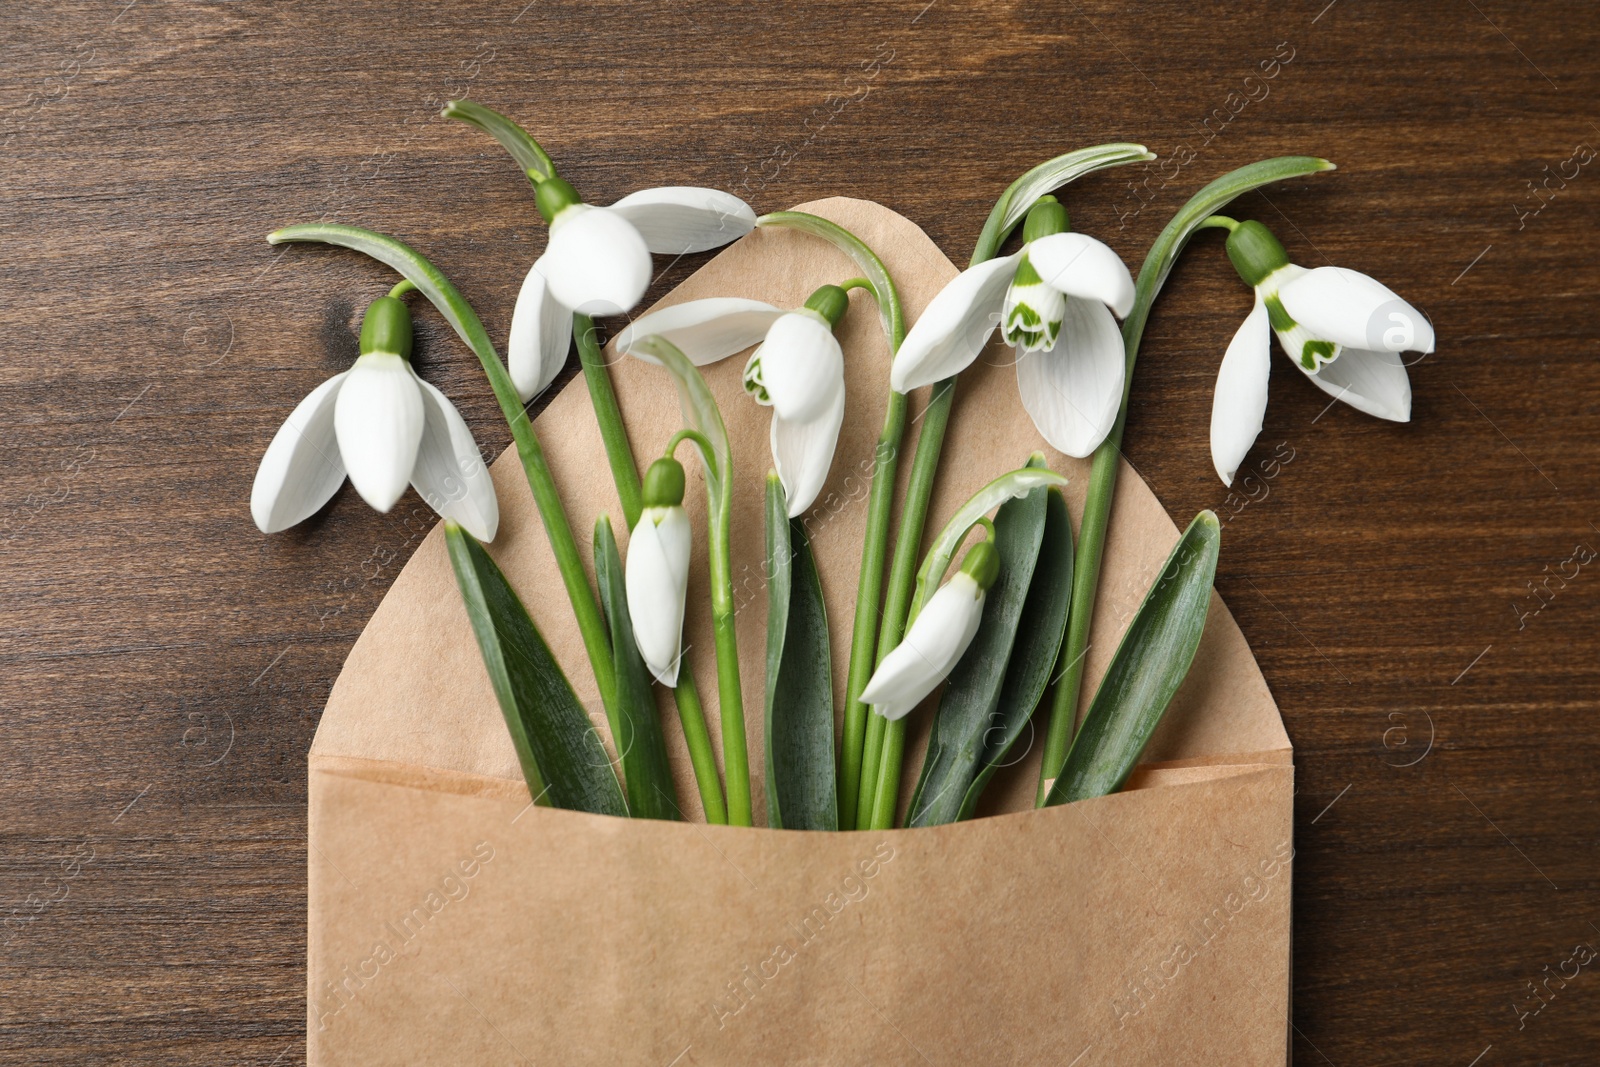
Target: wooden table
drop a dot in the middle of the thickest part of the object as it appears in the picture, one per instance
(165, 664)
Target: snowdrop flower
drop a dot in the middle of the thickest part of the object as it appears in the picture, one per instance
(1341, 328)
(1054, 302)
(938, 636)
(798, 371)
(384, 426)
(598, 263)
(657, 571)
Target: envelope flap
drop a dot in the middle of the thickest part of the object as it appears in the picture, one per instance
(413, 690)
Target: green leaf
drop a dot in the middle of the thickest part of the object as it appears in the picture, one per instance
(635, 726)
(1033, 657)
(1147, 669)
(561, 755)
(801, 791)
(1012, 484)
(972, 692)
(1013, 205)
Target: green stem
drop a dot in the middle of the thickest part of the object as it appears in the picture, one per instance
(625, 474)
(1158, 263)
(1009, 210)
(693, 717)
(700, 408)
(880, 502)
(456, 311)
(884, 750)
(603, 396)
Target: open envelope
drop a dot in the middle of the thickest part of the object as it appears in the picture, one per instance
(450, 921)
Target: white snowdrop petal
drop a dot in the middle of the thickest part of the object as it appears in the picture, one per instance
(596, 262)
(1353, 310)
(450, 474)
(802, 452)
(1080, 266)
(954, 327)
(1373, 382)
(655, 600)
(936, 641)
(1240, 402)
(378, 420)
(541, 334)
(1073, 391)
(705, 330)
(801, 366)
(677, 219)
(301, 469)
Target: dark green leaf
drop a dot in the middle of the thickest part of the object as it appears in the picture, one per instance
(635, 725)
(561, 755)
(972, 692)
(1149, 666)
(801, 791)
(1033, 657)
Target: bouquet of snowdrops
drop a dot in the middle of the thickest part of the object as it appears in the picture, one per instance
(985, 628)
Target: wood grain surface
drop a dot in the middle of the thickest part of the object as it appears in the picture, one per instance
(164, 663)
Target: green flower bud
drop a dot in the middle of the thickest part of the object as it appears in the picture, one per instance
(831, 302)
(553, 196)
(1255, 252)
(982, 564)
(1045, 217)
(663, 484)
(387, 328)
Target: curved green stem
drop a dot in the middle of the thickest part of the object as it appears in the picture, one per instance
(712, 439)
(880, 501)
(1009, 210)
(459, 314)
(530, 156)
(1158, 264)
(1219, 222)
(402, 288)
(603, 396)
(686, 434)
(625, 475)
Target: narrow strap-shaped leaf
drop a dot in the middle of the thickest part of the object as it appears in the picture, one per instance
(561, 755)
(972, 692)
(635, 726)
(1033, 656)
(1147, 669)
(801, 790)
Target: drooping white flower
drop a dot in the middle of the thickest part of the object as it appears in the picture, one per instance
(798, 371)
(386, 428)
(938, 637)
(1054, 301)
(657, 571)
(1342, 329)
(598, 263)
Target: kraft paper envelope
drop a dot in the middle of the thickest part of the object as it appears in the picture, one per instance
(450, 921)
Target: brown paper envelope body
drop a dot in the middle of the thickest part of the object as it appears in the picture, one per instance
(451, 921)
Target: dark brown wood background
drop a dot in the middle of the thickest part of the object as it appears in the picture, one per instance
(164, 663)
